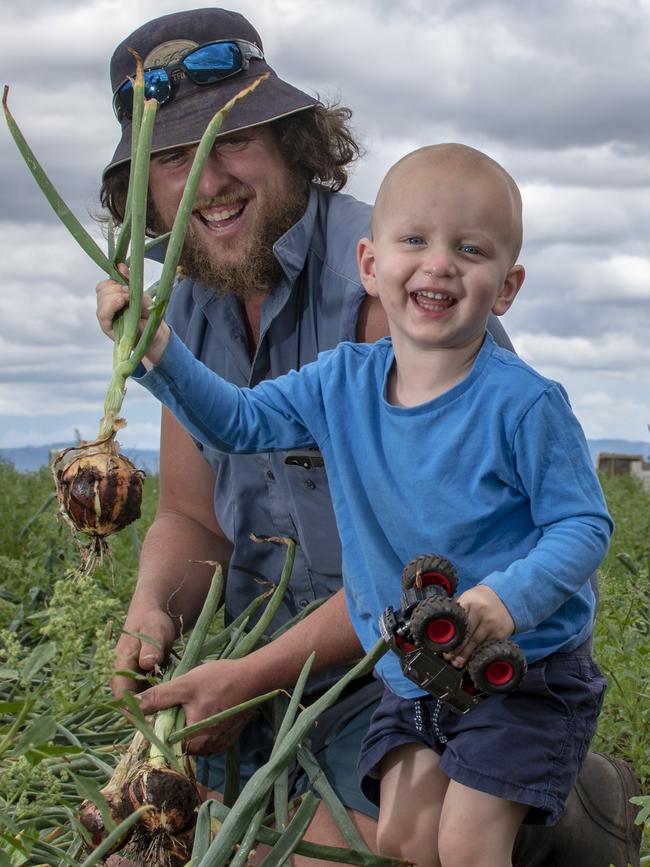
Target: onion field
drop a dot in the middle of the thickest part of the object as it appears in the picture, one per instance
(61, 735)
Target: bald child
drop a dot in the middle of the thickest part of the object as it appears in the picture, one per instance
(435, 439)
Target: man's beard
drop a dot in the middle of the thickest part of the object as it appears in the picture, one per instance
(256, 270)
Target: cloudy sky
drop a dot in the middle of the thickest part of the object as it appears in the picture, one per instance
(555, 90)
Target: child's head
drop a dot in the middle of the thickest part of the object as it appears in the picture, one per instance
(446, 233)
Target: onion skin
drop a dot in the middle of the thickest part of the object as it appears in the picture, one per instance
(91, 819)
(168, 828)
(99, 490)
(173, 794)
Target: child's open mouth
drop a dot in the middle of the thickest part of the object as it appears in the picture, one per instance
(436, 302)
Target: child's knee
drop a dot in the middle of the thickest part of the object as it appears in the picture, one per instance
(393, 843)
(458, 850)
(481, 843)
(389, 840)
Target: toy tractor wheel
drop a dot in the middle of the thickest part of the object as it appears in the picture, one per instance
(430, 569)
(497, 666)
(438, 624)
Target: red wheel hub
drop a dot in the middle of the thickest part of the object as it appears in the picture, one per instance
(438, 579)
(499, 672)
(441, 631)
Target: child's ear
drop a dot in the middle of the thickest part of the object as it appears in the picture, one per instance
(366, 265)
(511, 285)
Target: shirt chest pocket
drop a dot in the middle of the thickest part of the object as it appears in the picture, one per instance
(312, 511)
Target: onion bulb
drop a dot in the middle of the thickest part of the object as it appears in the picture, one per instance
(92, 820)
(173, 795)
(99, 490)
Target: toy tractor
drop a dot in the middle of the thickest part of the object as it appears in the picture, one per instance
(430, 623)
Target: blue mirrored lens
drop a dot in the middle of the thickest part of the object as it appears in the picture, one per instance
(157, 85)
(211, 63)
(123, 100)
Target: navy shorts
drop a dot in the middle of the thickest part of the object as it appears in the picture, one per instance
(335, 741)
(526, 746)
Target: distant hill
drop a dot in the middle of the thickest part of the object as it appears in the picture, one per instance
(624, 447)
(28, 459)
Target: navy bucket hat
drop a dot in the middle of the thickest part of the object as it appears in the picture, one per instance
(182, 120)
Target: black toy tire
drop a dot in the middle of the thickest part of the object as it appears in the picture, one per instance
(445, 614)
(497, 666)
(432, 569)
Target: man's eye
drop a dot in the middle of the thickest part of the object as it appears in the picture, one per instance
(232, 145)
(173, 159)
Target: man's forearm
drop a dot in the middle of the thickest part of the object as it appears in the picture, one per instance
(327, 631)
(176, 566)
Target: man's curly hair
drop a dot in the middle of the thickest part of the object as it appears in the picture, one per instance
(317, 145)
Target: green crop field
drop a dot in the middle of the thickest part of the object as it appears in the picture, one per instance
(59, 729)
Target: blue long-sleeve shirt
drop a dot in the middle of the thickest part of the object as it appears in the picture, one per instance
(314, 306)
(494, 474)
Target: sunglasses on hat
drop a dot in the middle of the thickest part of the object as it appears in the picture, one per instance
(206, 64)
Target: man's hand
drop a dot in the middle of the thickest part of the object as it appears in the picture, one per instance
(488, 619)
(216, 686)
(136, 654)
(204, 691)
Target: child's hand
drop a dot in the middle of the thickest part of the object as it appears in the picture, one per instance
(113, 297)
(488, 619)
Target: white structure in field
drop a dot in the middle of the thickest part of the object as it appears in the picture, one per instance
(613, 464)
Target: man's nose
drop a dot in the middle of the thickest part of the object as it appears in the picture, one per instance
(213, 176)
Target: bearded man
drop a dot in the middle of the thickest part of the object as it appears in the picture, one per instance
(270, 280)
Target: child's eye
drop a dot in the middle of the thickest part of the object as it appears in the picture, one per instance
(471, 249)
(414, 240)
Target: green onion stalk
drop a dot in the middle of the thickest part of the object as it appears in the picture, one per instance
(99, 490)
(155, 770)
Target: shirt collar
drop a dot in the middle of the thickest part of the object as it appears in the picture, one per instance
(291, 249)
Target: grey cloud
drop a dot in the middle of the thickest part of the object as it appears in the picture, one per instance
(616, 165)
(60, 381)
(543, 75)
(553, 90)
(72, 154)
(608, 217)
(67, 41)
(550, 303)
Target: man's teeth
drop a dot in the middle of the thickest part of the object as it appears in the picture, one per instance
(213, 216)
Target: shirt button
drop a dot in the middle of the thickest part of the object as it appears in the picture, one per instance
(309, 484)
(270, 476)
(304, 603)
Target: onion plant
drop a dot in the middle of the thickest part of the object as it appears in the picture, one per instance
(100, 490)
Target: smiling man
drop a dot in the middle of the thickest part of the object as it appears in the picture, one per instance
(270, 280)
(247, 199)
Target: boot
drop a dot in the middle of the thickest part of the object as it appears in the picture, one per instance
(597, 827)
